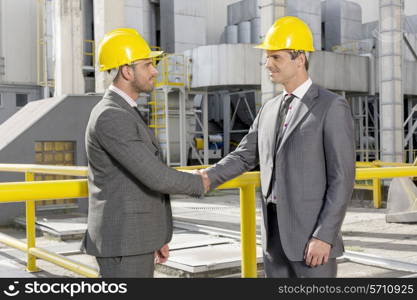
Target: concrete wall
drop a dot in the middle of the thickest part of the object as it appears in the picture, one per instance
(140, 14)
(68, 48)
(65, 122)
(183, 24)
(108, 15)
(18, 41)
(190, 24)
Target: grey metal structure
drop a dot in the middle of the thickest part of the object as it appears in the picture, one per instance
(12, 97)
(255, 30)
(232, 34)
(410, 128)
(247, 104)
(230, 107)
(244, 32)
(54, 119)
(366, 118)
(343, 23)
(246, 15)
(244, 10)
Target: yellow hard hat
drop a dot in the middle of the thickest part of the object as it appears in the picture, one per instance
(123, 46)
(288, 33)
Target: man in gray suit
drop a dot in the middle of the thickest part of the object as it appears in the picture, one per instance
(129, 218)
(303, 140)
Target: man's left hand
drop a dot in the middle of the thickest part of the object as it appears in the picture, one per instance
(317, 253)
(162, 254)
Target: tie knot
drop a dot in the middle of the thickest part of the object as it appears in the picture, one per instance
(289, 96)
(288, 99)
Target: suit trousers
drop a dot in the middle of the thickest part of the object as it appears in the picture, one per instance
(276, 263)
(135, 266)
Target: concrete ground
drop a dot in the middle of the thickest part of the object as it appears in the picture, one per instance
(364, 229)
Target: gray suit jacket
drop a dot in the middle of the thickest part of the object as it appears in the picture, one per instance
(314, 168)
(129, 209)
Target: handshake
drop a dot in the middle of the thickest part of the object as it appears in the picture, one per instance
(204, 178)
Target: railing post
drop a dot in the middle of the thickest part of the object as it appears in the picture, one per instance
(30, 228)
(248, 230)
(376, 189)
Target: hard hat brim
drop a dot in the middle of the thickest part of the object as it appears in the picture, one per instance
(155, 54)
(266, 47)
(152, 54)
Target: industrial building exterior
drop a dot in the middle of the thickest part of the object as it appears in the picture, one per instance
(211, 81)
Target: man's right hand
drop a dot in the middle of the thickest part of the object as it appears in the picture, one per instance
(204, 178)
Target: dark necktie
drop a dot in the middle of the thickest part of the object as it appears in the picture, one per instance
(140, 114)
(283, 110)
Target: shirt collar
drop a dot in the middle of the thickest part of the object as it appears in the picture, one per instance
(301, 90)
(122, 94)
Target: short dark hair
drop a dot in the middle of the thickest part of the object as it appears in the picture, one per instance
(118, 75)
(296, 53)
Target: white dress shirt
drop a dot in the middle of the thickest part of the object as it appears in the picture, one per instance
(122, 94)
(299, 93)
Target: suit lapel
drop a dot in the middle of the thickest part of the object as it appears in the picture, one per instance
(303, 108)
(113, 96)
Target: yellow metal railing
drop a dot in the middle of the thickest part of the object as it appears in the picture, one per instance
(375, 186)
(29, 192)
(92, 52)
(172, 70)
(157, 112)
(156, 107)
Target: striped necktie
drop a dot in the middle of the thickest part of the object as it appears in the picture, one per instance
(283, 110)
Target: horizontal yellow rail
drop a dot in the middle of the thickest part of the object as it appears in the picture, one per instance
(64, 262)
(364, 186)
(43, 190)
(45, 169)
(54, 258)
(242, 180)
(63, 189)
(390, 172)
(12, 242)
(377, 163)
